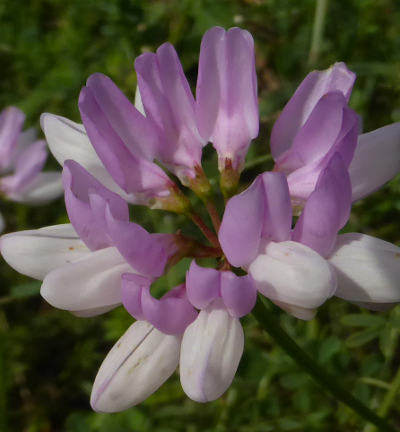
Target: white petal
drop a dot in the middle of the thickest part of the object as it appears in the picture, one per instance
(368, 269)
(297, 311)
(45, 187)
(91, 282)
(211, 350)
(86, 313)
(292, 273)
(137, 365)
(138, 102)
(376, 160)
(35, 253)
(68, 140)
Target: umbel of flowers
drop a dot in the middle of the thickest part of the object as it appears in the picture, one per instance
(102, 259)
(22, 158)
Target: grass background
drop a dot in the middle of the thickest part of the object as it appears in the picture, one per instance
(48, 358)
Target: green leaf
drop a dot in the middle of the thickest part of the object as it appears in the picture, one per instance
(329, 347)
(29, 289)
(388, 341)
(363, 320)
(362, 337)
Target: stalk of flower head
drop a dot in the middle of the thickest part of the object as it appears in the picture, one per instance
(110, 161)
(22, 158)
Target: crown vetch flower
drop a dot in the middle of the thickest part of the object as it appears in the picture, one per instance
(102, 259)
(213, 344)
(170, 106)
(316, 123)
(299, 269)
(227, 105)
(22, 158)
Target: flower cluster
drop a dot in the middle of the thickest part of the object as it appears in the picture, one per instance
(22, 158)
(102, 259)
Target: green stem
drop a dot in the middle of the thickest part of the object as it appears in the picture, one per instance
(318, 30)
(327, 381)
(383, 410)
(3, 373)
(257, 161)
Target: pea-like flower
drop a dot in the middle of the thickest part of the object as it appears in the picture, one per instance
(316, 123)
(22, 158)
(103, 260)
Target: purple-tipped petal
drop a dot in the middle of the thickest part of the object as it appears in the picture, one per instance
(202, 285)
(293, 274)
(130, 125)
(227, 105)
(376, 160)
(300, 106)
(132, 173)
(210, 353)
(239, 294)
(78, 185)
(68, 140)
(327, 209)
(259, 214)
(27, 167)
(11, 121)
(132, 286)
(170, 106)
(320, 132)
(331, 128)
(44, 187)
(142, 250)
(137, 365)
(367, 268)
(171, 314)
(35, 253)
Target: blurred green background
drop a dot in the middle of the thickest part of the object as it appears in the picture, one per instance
(49, 358)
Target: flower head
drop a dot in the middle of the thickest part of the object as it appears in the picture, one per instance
(22, 158)
(103, 259)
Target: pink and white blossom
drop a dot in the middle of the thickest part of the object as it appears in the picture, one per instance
(22, 158)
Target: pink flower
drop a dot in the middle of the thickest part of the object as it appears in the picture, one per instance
(102, 259)
(21, 161)
(316, 123)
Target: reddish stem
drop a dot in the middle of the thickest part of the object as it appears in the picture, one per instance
(210, 236)
(212, 211)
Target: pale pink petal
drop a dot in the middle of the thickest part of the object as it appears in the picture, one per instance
(211, 350)
(300, 106)
(35, 253)
(294, 274)
(68, 140)
(45, 187)
(368, 269)
(137, 365)
(259, 214)
(91, 282)
(376, 160)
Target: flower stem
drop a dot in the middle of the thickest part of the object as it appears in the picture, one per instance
(318, 30)
(212, 211)
(258, 161)
(327, 381)
(210, 236)
(388, 399)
